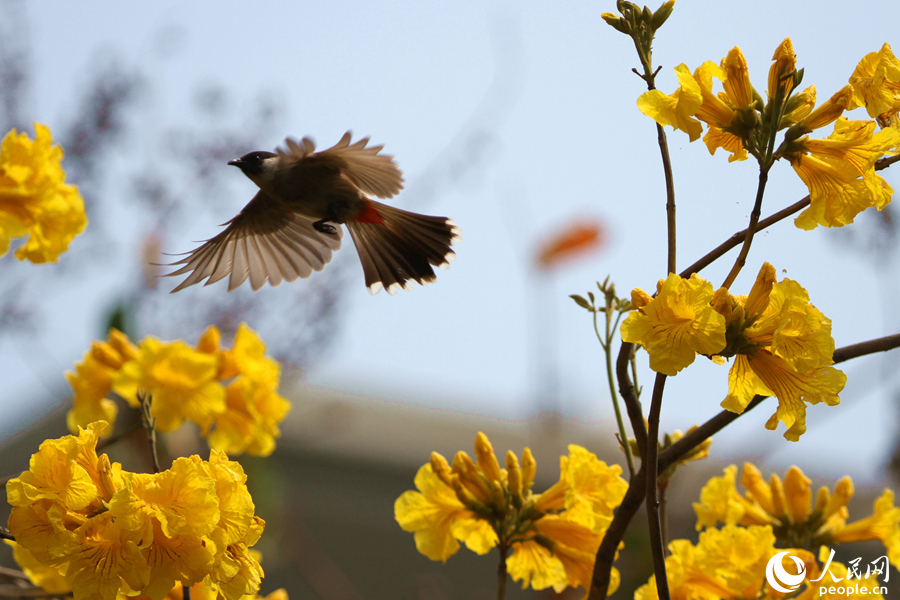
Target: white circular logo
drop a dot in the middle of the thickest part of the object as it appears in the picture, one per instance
(781, 580)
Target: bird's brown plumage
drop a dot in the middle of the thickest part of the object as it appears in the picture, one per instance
(284, 232)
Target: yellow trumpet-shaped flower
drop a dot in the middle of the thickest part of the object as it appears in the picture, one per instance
(876, 85)
(785, 63)
(677, 325)
(799, 519)
(840, 172)
(182, 381)
(882, 525)
(438, 519)
(553, 537)
(726, 563)
(35, 200)
(109, 532)
(230, 393)
(782, 347)
(93, 379)
(677, 109)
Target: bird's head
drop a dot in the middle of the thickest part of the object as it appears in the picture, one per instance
(256, 165)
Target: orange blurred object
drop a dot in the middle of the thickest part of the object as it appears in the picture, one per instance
(575, 240)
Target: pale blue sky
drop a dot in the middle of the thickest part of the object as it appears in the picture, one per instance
(550, 87)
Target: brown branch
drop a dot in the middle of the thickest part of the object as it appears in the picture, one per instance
(651, 484)
(670, 198)
(737, 238)
(629, 396)
(882, 344)
(13, 574)
(741, 259)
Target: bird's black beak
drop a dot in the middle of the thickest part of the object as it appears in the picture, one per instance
(236, 162)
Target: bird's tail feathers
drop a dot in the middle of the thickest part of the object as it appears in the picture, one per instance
(400, 247)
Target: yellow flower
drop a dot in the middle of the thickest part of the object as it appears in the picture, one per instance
(840, 174)
(56, 474)
(40, 574)
(593, 489)
(554, 536)
(561, 554)
(789, 508)
(718, 114)
(438, 519)
(181, 380)
(247, 357)
(93, 378)
(250, 421)
(883, 525)
(253, 406)
(180, 559)
(726, 563)
(35, 199)
(736, 555)
(827, 113)
(104, 559)
(238, 572)
(182, 502)
(738, 89)
(113, 532)
(876, 85)
(720, 502)
(782, 347)
(236, 508)
(187, 384)
(785, 63)
(677, 325)
(678, 109)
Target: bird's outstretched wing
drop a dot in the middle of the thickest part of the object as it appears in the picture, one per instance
(266, 241)
(375, 174)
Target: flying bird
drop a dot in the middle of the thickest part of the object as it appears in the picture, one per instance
(293, 224)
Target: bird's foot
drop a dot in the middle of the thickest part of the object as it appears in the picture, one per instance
(324, 227)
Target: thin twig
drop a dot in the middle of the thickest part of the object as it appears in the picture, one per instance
(670, 198)
(632, 404)
(741, 259)
(13, 574)
(737, 238)
(149, 422)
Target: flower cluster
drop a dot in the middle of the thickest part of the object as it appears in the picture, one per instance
(231, 394)
(107, 531)
(35, 200)
(553, 536)
(51, 580)
(730, 561)
(781, 344)
(838, 170)
(787, 506)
